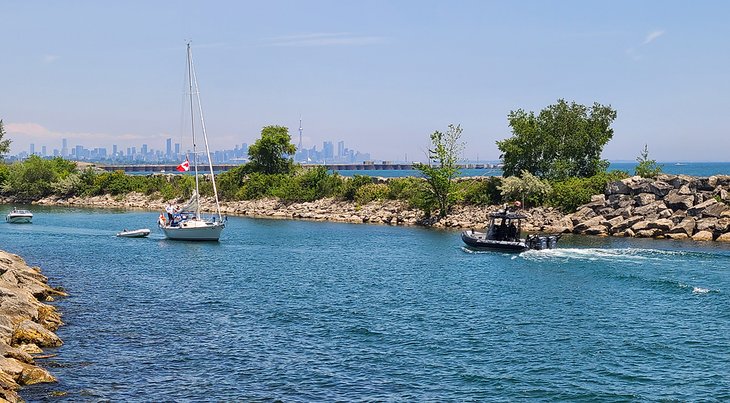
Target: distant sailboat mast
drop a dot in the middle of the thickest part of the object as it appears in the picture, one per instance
(299, 147)
(192, 128)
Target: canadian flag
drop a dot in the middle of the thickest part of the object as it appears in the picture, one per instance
(185, 166)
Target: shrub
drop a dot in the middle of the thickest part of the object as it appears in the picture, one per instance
(531, 190)
(30, 179)
(568, 194)
(350, 186)
(258, 185)
(373, 191)
(647, 168)
(480, 192)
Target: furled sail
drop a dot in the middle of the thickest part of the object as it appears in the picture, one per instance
(192, 204)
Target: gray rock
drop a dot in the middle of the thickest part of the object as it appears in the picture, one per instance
(677, 201)
(699, 209)
(686, 226)
(660, 188)
(662, 224)
(618, 188)
(642, 199)
(649, 209)
(706, 224)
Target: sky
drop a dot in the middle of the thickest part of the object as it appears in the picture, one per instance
(380, 75)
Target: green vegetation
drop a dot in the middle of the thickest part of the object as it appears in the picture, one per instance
(563, 141)
(444, 154)
(647, 168)
(556, 154)
(4, 144)
(528, 189)
(570, 193)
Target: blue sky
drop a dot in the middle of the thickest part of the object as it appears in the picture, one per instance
(380, 75)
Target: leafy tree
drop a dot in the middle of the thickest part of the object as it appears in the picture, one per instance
(564, 140)
(444, 154)
(30, 179)
(269, 154)
(529, 189)
(647, 168)
(4, 144)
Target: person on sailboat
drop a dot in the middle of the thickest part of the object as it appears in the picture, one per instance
(170, 211)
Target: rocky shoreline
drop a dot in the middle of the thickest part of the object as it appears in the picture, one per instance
(670, 206)
(387, 212)
(26, 325)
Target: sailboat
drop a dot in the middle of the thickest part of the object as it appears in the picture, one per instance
(189, 224)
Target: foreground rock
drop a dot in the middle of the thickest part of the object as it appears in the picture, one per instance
(26, 324)
(670, 206)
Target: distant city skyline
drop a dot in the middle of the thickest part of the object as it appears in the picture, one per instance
(380, 75)
(172, 152)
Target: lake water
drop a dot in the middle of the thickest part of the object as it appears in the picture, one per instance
(675, 168)
(316, 311)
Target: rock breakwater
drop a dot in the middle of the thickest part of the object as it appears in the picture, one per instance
(388, 212)
(26, 325)
(670, 206)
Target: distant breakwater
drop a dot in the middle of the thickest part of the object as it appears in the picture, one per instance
(670, 206)
(27, 324)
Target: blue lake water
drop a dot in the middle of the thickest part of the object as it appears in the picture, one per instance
(675, 168)
(316, 311)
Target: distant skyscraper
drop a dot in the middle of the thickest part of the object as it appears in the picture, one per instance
(143, 151)
(168, 148)
(43, 151)
(177, 149)
(64, 148)
(32, 148)
(114, 150)
(328, 150)
(340, 149)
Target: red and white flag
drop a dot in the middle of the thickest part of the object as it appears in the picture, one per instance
(185, 166)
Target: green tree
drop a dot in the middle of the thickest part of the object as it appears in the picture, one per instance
(442, 169)
(4, 144)
(270, 154)
(564, 140)
(647, 168)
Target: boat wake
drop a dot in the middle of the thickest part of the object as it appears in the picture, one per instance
(598, 254)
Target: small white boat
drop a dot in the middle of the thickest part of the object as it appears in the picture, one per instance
(135, 233)
(19, 216)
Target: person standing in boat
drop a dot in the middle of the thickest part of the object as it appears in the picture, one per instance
(170, 211)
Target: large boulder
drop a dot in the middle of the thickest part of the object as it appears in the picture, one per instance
(651, 208)
(593, 222)
(703, 236)
(675, 200)
(660, 189)
(686, 226)
(30, 332)
(706, 224)
(620, 200)
(642, 199)
(618, 188)
(724, 237)
(661, 224)
(710, 208)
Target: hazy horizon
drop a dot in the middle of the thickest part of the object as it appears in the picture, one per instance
(379, 75)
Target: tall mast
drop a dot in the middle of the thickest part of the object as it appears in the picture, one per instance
(192, 129)
(207, 148)
(299, 147)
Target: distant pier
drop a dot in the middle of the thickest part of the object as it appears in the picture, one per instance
(367, 166)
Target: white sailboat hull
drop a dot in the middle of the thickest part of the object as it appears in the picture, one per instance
(194, 230)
